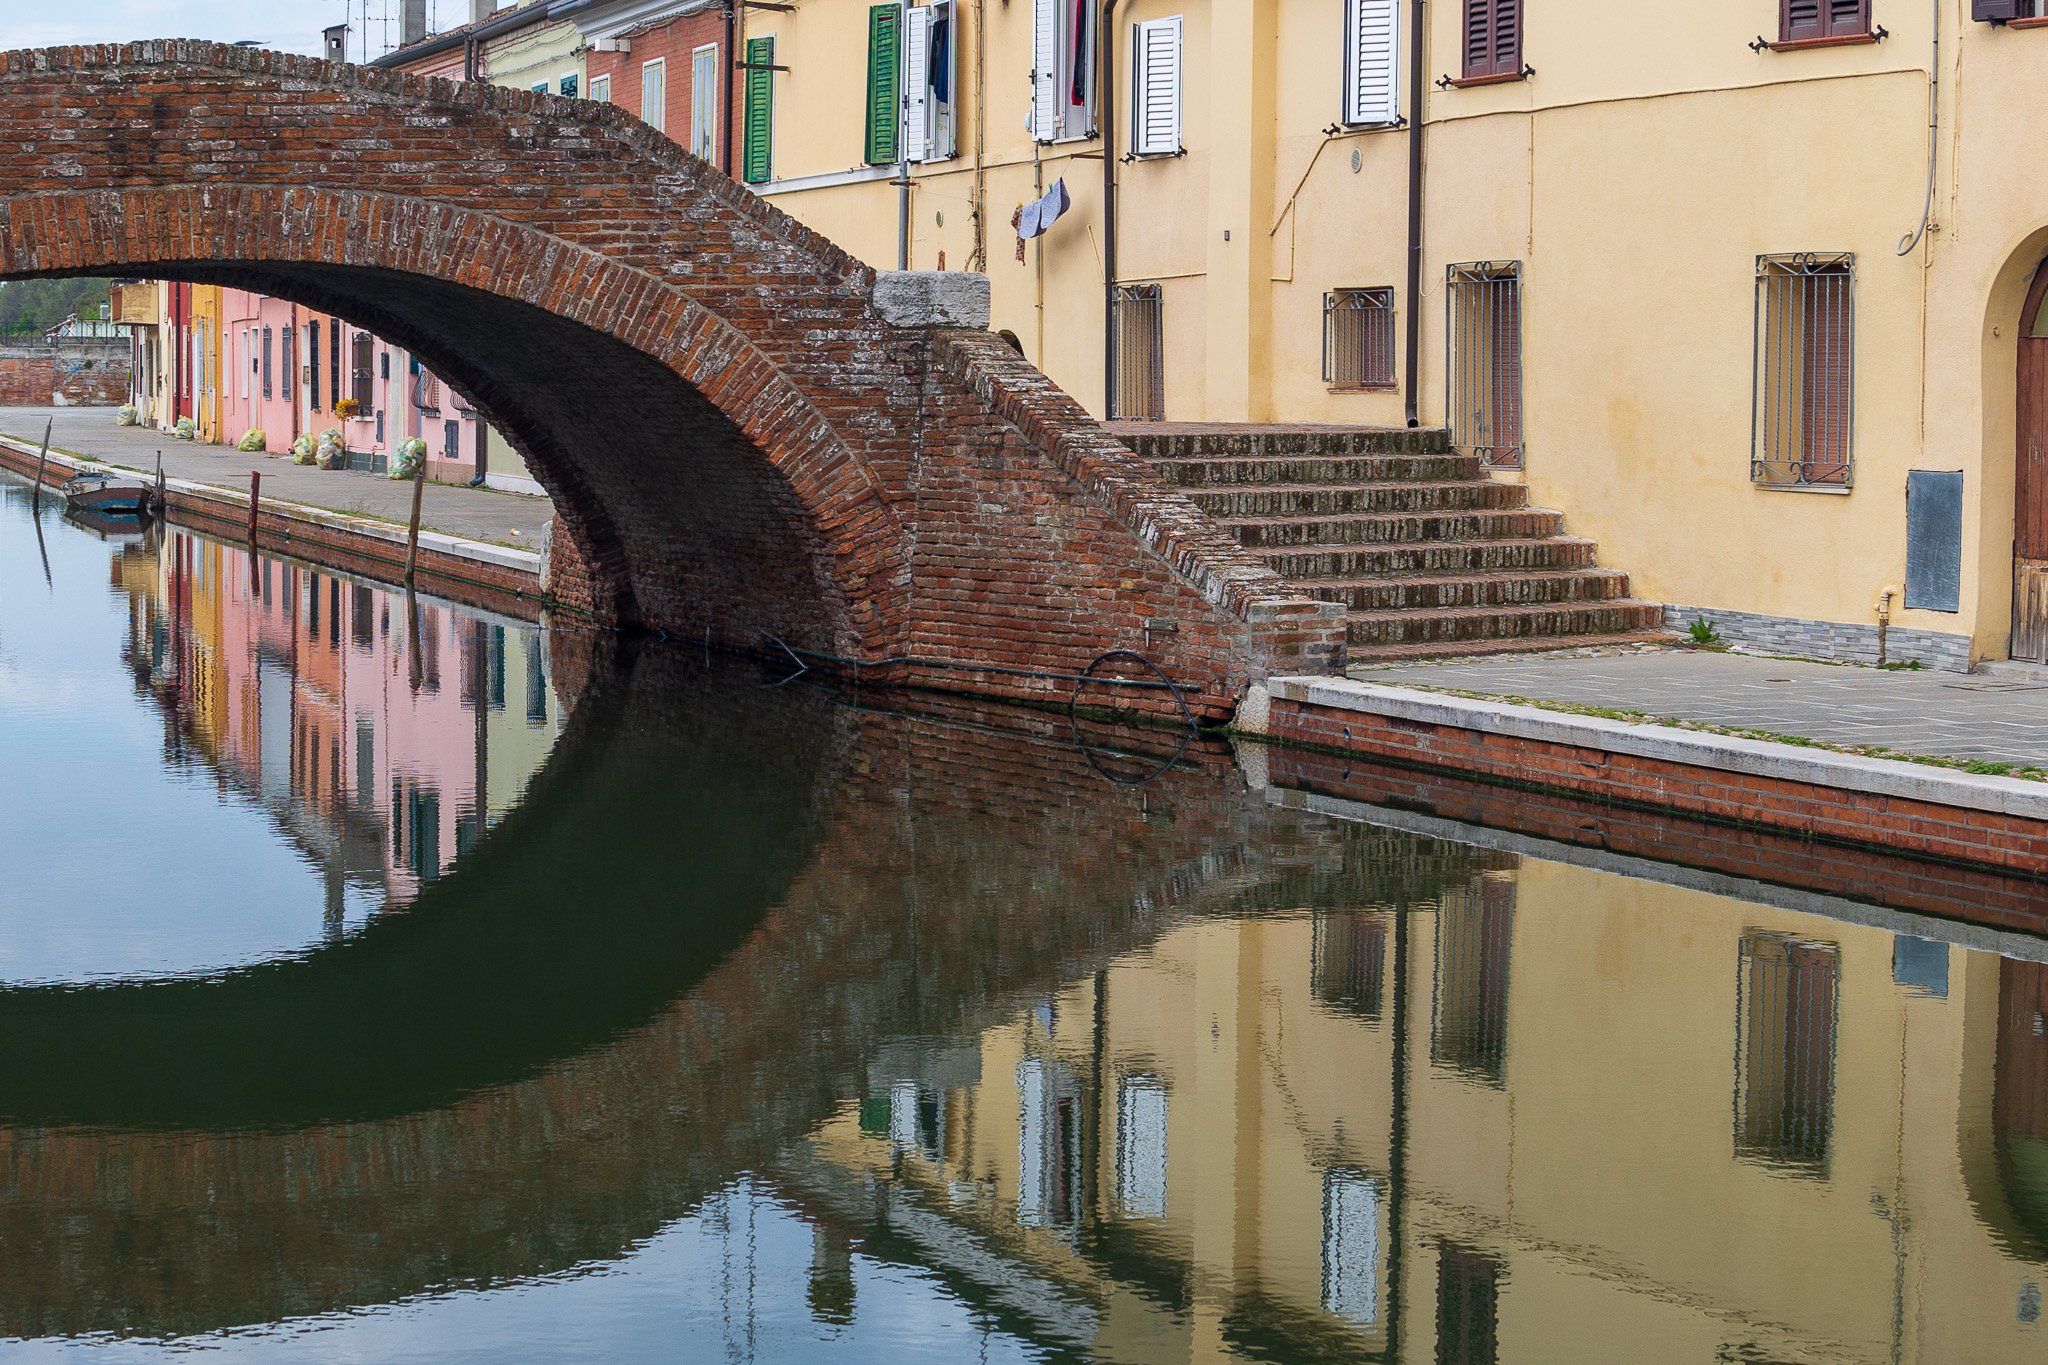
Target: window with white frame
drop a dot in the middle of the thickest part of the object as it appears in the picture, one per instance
(568, 84)
(654, 94)
(704, 101)
(1351, 1244)
(601, 89)
(1141, 1146)
(929, 77)
(1064, 54)
(1155, 87)
(540, 87)
(1372, 80)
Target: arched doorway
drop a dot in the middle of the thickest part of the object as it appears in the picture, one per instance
(2030, 480)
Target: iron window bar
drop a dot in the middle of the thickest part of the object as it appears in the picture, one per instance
(1803, 387)
(1140, 353)
(1483, 360)
(1358, 338)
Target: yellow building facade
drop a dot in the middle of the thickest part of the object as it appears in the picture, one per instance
(1710, 280)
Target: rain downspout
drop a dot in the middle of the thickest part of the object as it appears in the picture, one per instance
(1105, 50)
(1415, 94)
(1913, 239)
(732, 57)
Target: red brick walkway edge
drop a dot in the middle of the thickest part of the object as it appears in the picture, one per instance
(491, 577)
(1927, 813)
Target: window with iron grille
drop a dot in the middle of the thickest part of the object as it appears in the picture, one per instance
(1358, 338)
(1804, 391)
(1483, 360)
(1786, 1002)
(1140, 390)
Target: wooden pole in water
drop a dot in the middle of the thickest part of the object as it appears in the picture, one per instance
(255, 496)
(35, 497)
(158, 503)
(412, 526)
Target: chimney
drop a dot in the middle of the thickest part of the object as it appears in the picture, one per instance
(334, 43)
(480, 10)
(412, 24)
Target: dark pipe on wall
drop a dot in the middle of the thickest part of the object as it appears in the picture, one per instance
(1105, 45)
(1415, 96)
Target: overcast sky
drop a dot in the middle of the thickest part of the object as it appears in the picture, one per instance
(291, 25)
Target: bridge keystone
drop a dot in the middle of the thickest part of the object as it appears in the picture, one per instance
(932, 298)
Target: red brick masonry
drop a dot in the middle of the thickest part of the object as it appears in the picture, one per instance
(1925, 813)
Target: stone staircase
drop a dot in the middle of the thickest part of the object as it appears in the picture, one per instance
(1432, 557)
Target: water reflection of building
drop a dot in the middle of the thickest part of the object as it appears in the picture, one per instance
(384, 739)
(1548, 1113)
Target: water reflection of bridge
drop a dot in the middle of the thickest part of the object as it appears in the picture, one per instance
(1154, 1073)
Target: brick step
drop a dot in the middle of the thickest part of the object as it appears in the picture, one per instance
(1154, 441)
(1282, 500)
(1307, 563)
(1398, 528)
(1418, 593)
(1366, 655)
(1619, 617)
(1228, 471)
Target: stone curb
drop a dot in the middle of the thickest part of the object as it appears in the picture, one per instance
(1725, 753)
(455, 547)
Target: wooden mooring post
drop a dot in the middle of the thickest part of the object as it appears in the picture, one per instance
(35, 497)
(255, 497)
(412, 525)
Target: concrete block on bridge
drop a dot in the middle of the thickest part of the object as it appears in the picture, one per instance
(932, 298)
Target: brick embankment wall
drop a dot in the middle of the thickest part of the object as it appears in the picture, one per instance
(70, 374)
(1971, 894)
(1920, 829)
(508, 584)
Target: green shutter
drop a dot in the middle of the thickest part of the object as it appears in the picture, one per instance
(885, 53)
(758, 167)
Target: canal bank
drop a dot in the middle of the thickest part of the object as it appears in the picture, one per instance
(465, 569)
(1791, 786)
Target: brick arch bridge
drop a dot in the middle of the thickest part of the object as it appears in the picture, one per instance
(739, 441)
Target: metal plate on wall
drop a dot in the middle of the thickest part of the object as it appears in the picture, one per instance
(1934, 540)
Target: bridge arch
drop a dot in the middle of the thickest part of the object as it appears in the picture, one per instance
(741, 443)
(688, 472)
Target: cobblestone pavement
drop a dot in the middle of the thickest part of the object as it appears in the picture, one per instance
(473, 513)
(2000, 718)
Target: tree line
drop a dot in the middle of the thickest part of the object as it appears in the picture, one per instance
(32, 307)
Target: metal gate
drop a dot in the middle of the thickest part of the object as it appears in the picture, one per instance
(1483, 360)
(1140, 343)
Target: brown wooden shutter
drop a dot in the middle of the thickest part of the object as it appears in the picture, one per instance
(1848, 18)
(1994, 11)
(1800, 20)
(1478, 38)
(1507, 37)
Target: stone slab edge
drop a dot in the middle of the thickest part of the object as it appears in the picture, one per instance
(455, 547)
(1724, 753)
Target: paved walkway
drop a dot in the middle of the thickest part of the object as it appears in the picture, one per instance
(472, 513)
(1974, 717)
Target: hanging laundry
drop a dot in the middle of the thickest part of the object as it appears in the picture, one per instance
(1041, 213)
(1017, 223)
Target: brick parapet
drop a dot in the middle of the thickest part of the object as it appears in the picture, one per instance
(1284, 630)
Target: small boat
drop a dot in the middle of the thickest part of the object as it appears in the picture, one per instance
(107, 494)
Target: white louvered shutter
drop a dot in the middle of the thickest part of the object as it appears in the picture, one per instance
(1045, 49)
(917, 47)
(1372, 61)
(1155, 87)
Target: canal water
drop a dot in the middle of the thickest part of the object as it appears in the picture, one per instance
(383, 980)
